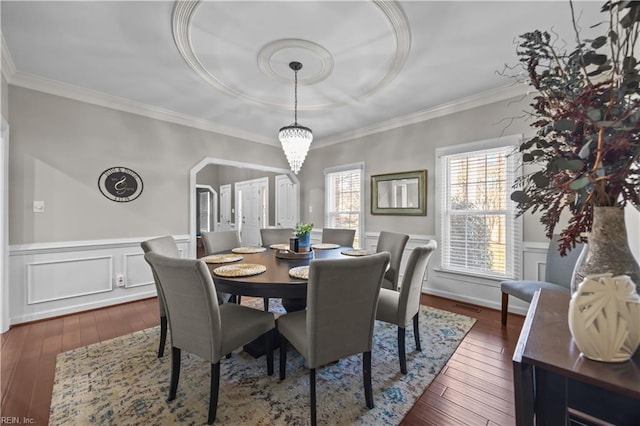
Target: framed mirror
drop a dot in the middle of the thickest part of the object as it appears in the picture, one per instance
(399, 193)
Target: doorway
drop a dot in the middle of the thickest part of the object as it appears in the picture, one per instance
(252, 209)
(218, 161)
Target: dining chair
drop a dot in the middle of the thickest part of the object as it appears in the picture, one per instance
(400, 307)
(197, 321)
(342, 237)
(219, 241)
(165, 246)
(393, 243)
(558, 275)
(342, 295)
(270, 236)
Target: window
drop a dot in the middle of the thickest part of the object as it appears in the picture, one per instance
(344, 199)
(479, 231)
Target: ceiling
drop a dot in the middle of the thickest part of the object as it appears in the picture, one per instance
(367, 65)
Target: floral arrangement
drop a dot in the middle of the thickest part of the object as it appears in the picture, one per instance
(586, 150)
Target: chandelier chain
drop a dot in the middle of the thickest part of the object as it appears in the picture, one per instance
(295, 98)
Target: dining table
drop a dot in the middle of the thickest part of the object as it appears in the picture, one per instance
(275, 281)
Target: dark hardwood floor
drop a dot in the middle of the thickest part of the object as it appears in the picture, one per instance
(474, 388)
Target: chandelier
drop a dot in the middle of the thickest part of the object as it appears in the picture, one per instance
(295, 139)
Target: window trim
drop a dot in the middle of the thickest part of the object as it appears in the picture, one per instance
(342, 168)
(514, 236)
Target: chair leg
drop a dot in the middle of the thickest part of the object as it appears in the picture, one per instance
(312, 393)
(416, 331)
(239, 300)
(265, 301)
(213, 396)
(175, 372)
(268, 344)
(163, 335)
(401, 350)
(505, 307)
(283, 356)
(366, 372)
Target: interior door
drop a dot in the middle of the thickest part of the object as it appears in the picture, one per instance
(251, 209)
(225, 208)
(206, 208)
(286, 202)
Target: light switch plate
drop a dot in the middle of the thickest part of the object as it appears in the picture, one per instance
(38, 206)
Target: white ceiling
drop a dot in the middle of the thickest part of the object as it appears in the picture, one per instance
(366, 64)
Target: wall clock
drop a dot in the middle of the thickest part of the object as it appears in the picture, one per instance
(120, 184)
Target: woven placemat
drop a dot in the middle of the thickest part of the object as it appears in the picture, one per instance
(325, 246)
(240, 270)
(279, 246)
(248, 249)
(356, 252)
(301, 272)
(222, 258)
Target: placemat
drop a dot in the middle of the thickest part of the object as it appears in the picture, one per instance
(240, 270)
(325, 246)
(222, 258)
(356, 252)
(248, 249)
(279, 246)
(301, 272)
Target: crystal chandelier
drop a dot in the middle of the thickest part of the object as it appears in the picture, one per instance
(295, 139)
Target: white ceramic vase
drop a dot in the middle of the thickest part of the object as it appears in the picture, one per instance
(604, 317)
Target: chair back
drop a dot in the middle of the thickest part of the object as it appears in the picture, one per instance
(342, 297)
(559, 269)
(342, 237)
(394, 244)
(271, 236)
(192, 305)
(215, 242)
(411, 289)
(165, 246)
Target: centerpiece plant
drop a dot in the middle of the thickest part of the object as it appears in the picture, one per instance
(585, 153)
(303, 232)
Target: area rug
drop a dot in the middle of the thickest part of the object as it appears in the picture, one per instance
(122, 382)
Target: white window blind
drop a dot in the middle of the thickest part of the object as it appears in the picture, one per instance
(344, 199)
(479, 231)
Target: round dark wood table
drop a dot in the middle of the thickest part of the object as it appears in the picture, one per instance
(275, 282)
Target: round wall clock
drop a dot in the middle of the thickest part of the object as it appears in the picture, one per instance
(120, 184)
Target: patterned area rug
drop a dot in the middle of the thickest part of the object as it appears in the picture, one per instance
(122, 382)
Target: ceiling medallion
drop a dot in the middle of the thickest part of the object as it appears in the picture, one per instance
(182, 19)
(295, 139)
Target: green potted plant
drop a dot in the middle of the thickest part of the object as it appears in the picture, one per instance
(303, 232)
(585, 155)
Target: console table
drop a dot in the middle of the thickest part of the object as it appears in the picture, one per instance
(555, 385)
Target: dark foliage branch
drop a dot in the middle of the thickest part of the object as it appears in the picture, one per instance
(586, 150)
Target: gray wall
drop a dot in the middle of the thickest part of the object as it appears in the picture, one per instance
(411, 148)
(4, 94)
(60, 146)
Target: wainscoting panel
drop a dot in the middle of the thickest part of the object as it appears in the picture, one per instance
(52, 279)
(63, 279)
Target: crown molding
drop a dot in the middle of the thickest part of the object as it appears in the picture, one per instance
(491, 96)
(77, 93)
(8, 66)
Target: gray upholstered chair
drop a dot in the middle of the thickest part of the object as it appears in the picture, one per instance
(271, 236)
(165, 246)
(558, 274)
(342, 237)
(342, 295)
(400, 307)
(196, 320)
(394, 244)
(216, 242)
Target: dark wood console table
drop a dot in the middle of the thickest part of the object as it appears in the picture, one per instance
(555, 385)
